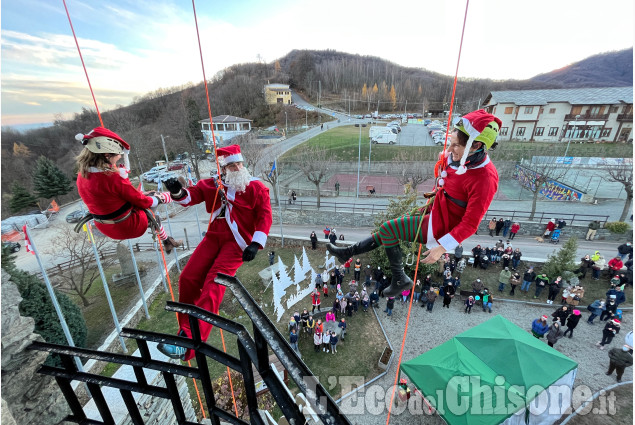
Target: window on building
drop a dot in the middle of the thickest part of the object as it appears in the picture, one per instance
(553, 131)
(205, 127)
(503, 131)
(552, 110)
(614, 109)
(595, 110)
(520, 131)
(576, 110)
(606, 132)
(529, 109)
(509, 110)
(540, 131)
(541, 110)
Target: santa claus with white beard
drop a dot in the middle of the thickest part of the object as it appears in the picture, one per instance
(241, 219)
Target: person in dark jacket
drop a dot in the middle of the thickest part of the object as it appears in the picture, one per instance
(554, 289)
(333, 238)
(448, 294)
(477, 252)
(586, 265)
(611, 308)
(541, 282)
(314, 240)
(458, 252)
(484, 262)
(572, 322)
(499, 225)
(507, 224)
(554, 334)
(528, 277)
(431, 296)
(620, 359)
(561, 314)
(620, 296)
(516, 256)
(390, 304)
(611, 329)
(624, 250)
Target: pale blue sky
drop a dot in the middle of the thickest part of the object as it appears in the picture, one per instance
(132, 47)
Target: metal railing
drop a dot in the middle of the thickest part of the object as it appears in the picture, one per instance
(253, 354)
(587, 117)
(625, 117)
(103, 253)
(539, 216)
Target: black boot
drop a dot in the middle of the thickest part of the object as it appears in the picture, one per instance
(400, 282)
(343, 253)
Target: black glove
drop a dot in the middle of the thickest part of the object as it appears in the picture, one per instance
(250, 252)
(175, 187)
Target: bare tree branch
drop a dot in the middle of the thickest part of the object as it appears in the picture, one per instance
(314, 164)
(622, 174)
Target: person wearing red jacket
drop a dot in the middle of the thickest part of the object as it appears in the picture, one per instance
(241, 220)
(467, 186)
(117, 207)
(515, 228)
(615, 265)
(315, 300)
(347, 265)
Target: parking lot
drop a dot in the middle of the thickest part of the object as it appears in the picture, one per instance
(413, 135)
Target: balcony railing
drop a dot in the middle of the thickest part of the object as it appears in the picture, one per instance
(253, 352)
(625, 117)
(587, 117)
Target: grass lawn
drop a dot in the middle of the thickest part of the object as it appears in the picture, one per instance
(357, 355)
(343, 143)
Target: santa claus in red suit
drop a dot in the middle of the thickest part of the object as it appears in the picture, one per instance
(466, 186)
(241, 219)
(117, 207)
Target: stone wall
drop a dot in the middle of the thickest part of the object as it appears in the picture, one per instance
(27, 397)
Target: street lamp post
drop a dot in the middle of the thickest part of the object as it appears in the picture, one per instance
(286, 123)
(359, 155)
(572, 134)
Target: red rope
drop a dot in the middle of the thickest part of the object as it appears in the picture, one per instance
(405, 334)
(209, 106)
(83, 64)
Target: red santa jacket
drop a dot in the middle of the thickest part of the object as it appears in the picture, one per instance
(616, 264)
(248, 213)
(450, 223)
(105, 193)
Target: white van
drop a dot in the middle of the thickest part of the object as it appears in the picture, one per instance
(385, 138)
(376, 131)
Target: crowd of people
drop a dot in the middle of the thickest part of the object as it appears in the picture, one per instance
(329, 285)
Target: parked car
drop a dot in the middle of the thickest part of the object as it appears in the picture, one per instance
(149, 176)
(75, 216)
(176, 166)
(13, 246)
(164, 176)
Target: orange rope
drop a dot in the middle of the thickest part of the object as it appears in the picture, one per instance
(403, 340)
(83, 64)
(167, 274)
(220, 182)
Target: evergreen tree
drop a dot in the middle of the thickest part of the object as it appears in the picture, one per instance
(21, 199)
(396, 208)
(37, 304)
(49, 180)
(562, 261)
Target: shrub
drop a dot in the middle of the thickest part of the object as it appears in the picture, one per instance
(617, 227)
(563, 260)
(37, 304)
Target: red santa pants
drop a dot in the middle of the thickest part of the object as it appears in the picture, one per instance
(218, 252)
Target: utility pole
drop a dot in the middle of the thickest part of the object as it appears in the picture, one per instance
(165, 152)
(319, 93)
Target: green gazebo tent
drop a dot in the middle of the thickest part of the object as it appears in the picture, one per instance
(494, 373)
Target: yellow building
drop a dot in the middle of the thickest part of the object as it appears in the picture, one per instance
(277, 93)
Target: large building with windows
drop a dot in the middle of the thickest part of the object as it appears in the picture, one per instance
(226, 127)
(277, 94)
(586, 114)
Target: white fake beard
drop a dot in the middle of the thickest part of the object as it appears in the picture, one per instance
(237, 180)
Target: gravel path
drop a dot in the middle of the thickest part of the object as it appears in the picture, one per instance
(428, 330)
